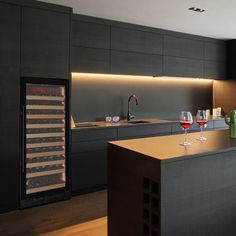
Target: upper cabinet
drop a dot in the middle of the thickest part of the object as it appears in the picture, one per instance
(136, 52)
(136, 41)
(103, 46)
(215, 60)
(87, 34)
(45, 43)
(183, 47)
(183, 67)
(215, 51)
(183, 57)
(133, 63)
(90, 51)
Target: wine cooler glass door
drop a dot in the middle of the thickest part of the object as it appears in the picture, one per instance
(44, 137)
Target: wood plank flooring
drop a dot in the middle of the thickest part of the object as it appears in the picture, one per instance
(91, 228)
(83, 215)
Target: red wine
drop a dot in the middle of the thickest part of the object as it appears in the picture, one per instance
(201, 122)
(185, 124)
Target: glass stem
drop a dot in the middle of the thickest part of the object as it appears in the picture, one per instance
(201, 131)
(185, 139)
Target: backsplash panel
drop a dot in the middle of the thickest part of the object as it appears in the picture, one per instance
(96, 96)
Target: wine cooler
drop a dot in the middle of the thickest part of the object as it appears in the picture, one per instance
(45, 139)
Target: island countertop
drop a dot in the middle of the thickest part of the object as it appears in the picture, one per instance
(168, 148)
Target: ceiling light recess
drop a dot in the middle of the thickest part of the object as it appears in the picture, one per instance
(197, 9)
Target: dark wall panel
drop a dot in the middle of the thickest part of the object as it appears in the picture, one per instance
(93, 97)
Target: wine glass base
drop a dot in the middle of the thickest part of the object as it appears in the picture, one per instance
(201, 139)
(185, 144)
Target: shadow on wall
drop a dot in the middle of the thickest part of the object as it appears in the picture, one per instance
(96, 96)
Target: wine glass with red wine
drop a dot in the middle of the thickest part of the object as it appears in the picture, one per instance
(201, 119)
(186, 121)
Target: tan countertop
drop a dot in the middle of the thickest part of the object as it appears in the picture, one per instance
(150, 121)
(168, 148)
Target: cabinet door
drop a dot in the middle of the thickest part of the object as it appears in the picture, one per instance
(90, 60)
(45, 43)
(136, 41)
(215, 70)
(89, 170)
(176, 66)
(144, 130)
(88, 34)
(9, 105)
(183, 47)
(215, 51)
(135, 63)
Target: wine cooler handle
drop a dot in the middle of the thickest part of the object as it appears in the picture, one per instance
(23, 139)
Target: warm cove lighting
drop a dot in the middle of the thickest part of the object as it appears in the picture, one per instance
(116, 76)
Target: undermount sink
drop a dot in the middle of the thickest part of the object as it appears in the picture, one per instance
(138, 122)
(84, 125)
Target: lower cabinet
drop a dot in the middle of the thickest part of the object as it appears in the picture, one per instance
(89, 149)
(89, 158)
(89, 171)
(146, 130)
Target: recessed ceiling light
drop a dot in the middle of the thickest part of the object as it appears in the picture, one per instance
(200, 10)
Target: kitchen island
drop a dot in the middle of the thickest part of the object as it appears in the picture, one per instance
(157, 187)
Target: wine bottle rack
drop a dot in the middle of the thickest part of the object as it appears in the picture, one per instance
(151, 208)
(45, 152)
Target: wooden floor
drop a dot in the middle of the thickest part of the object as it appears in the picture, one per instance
(83, 215)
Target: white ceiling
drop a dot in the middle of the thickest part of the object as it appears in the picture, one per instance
(218, 21)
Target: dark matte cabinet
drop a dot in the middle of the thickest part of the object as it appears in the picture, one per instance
(183, 47)
(9, 103)
(45, 43)
(34, 42)
(89, 171)
(89, 149)
(215, 51)
(89, 158)
(90, 51)
(136, 52)
(88, 34)
(215, 60)
(90, 60)
(143, 131)
(136, 41)
(183, 67)
(214, 70)
(103, 46)
(135, 63)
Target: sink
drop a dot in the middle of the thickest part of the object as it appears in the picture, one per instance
(84, 125)
(138, 122)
